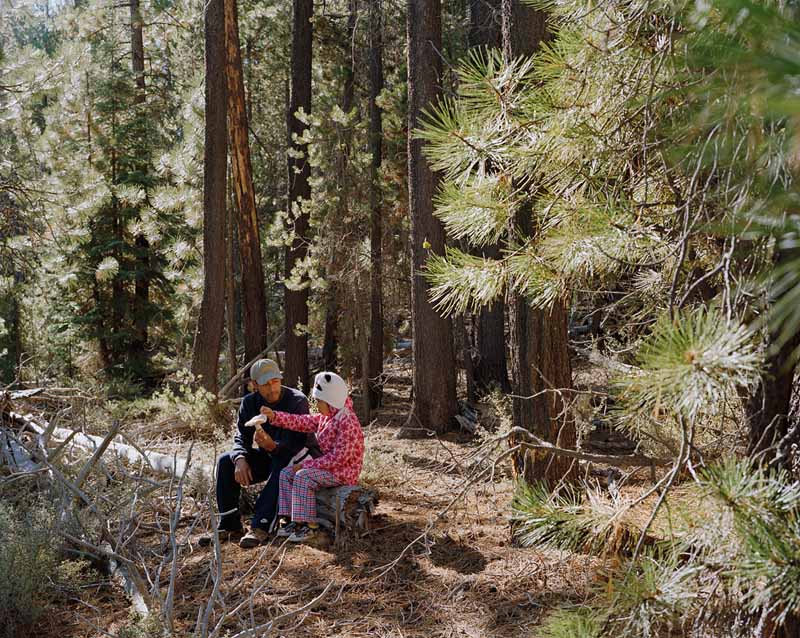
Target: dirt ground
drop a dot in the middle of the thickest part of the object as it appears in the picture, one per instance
(415, 573)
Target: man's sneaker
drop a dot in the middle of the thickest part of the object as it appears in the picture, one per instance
(254, 538)
(304, 534)
(287, 529)
(225, 536)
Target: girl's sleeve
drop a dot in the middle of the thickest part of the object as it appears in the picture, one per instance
(342, 454)
(296, 422)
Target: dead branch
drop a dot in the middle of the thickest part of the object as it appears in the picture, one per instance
(266, 628)
(230, 385)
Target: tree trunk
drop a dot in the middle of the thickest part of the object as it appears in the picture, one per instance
(485, 24)
(141, 295)
(434, 368)
(254, 297)
(490, 369)
(541, 366)
(772, 432)
(330, 346)
(209, 326)
(296, 366)
(375, 369)
(230, 291)
(542, 371)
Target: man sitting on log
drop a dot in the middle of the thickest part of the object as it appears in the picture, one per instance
(259, 454)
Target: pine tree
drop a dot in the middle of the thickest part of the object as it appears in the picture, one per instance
(253, 294)
(434, 360)
(296, 300)
(208, 338)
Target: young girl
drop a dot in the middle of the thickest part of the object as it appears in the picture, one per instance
(342, 444)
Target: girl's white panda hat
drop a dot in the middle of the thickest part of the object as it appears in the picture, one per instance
(331, 388)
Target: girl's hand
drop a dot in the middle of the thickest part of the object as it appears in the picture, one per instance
(267, 412)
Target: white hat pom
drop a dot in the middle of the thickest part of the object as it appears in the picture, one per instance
(331, 388)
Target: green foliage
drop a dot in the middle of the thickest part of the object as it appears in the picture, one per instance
(28, 552)
(450, 275)
(142, 627)
(570, 520)
(766, 523)
(573, 623)
(691, 364)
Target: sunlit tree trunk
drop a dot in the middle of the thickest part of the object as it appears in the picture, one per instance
(253, 294)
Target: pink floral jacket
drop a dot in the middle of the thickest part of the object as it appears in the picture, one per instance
(340, 439)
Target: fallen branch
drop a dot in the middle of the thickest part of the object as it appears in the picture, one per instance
(266, 628)
(230, 385)
(533, 442)
(120, 574)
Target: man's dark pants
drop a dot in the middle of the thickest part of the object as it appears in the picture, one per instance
(264, 467)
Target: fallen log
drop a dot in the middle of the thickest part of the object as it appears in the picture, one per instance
(15, 456)
(158, 462)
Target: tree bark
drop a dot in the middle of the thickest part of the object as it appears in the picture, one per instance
(434, 367)
(375, 369)
(490, 369)
(296, 301)
(209, 326)
(230, 291)
(141, 296)
(541, 370)
(254, 297)
(330, 346)
(772, 432)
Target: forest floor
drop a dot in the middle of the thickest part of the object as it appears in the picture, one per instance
(414, 574)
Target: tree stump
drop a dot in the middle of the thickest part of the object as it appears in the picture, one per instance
(345, 511)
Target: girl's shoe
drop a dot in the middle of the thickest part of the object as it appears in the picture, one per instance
(286, 530)
(304, 534)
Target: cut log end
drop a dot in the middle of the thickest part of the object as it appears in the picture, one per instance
(346, 511)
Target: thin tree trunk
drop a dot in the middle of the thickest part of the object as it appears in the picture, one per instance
(209, 326)
(541, 370)
(330, 345)
(141, 296)
(434, 367)
(772, 433)
(254, 297)
(230, 291)
(296, 365)
(375, 359)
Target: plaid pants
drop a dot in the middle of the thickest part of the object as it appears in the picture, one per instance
(298, 493)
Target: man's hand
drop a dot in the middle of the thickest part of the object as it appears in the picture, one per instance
(264, 440)
(297, 467)
(242, 472)
(267, 412)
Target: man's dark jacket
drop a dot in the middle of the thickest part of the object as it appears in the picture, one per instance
(292, 401)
